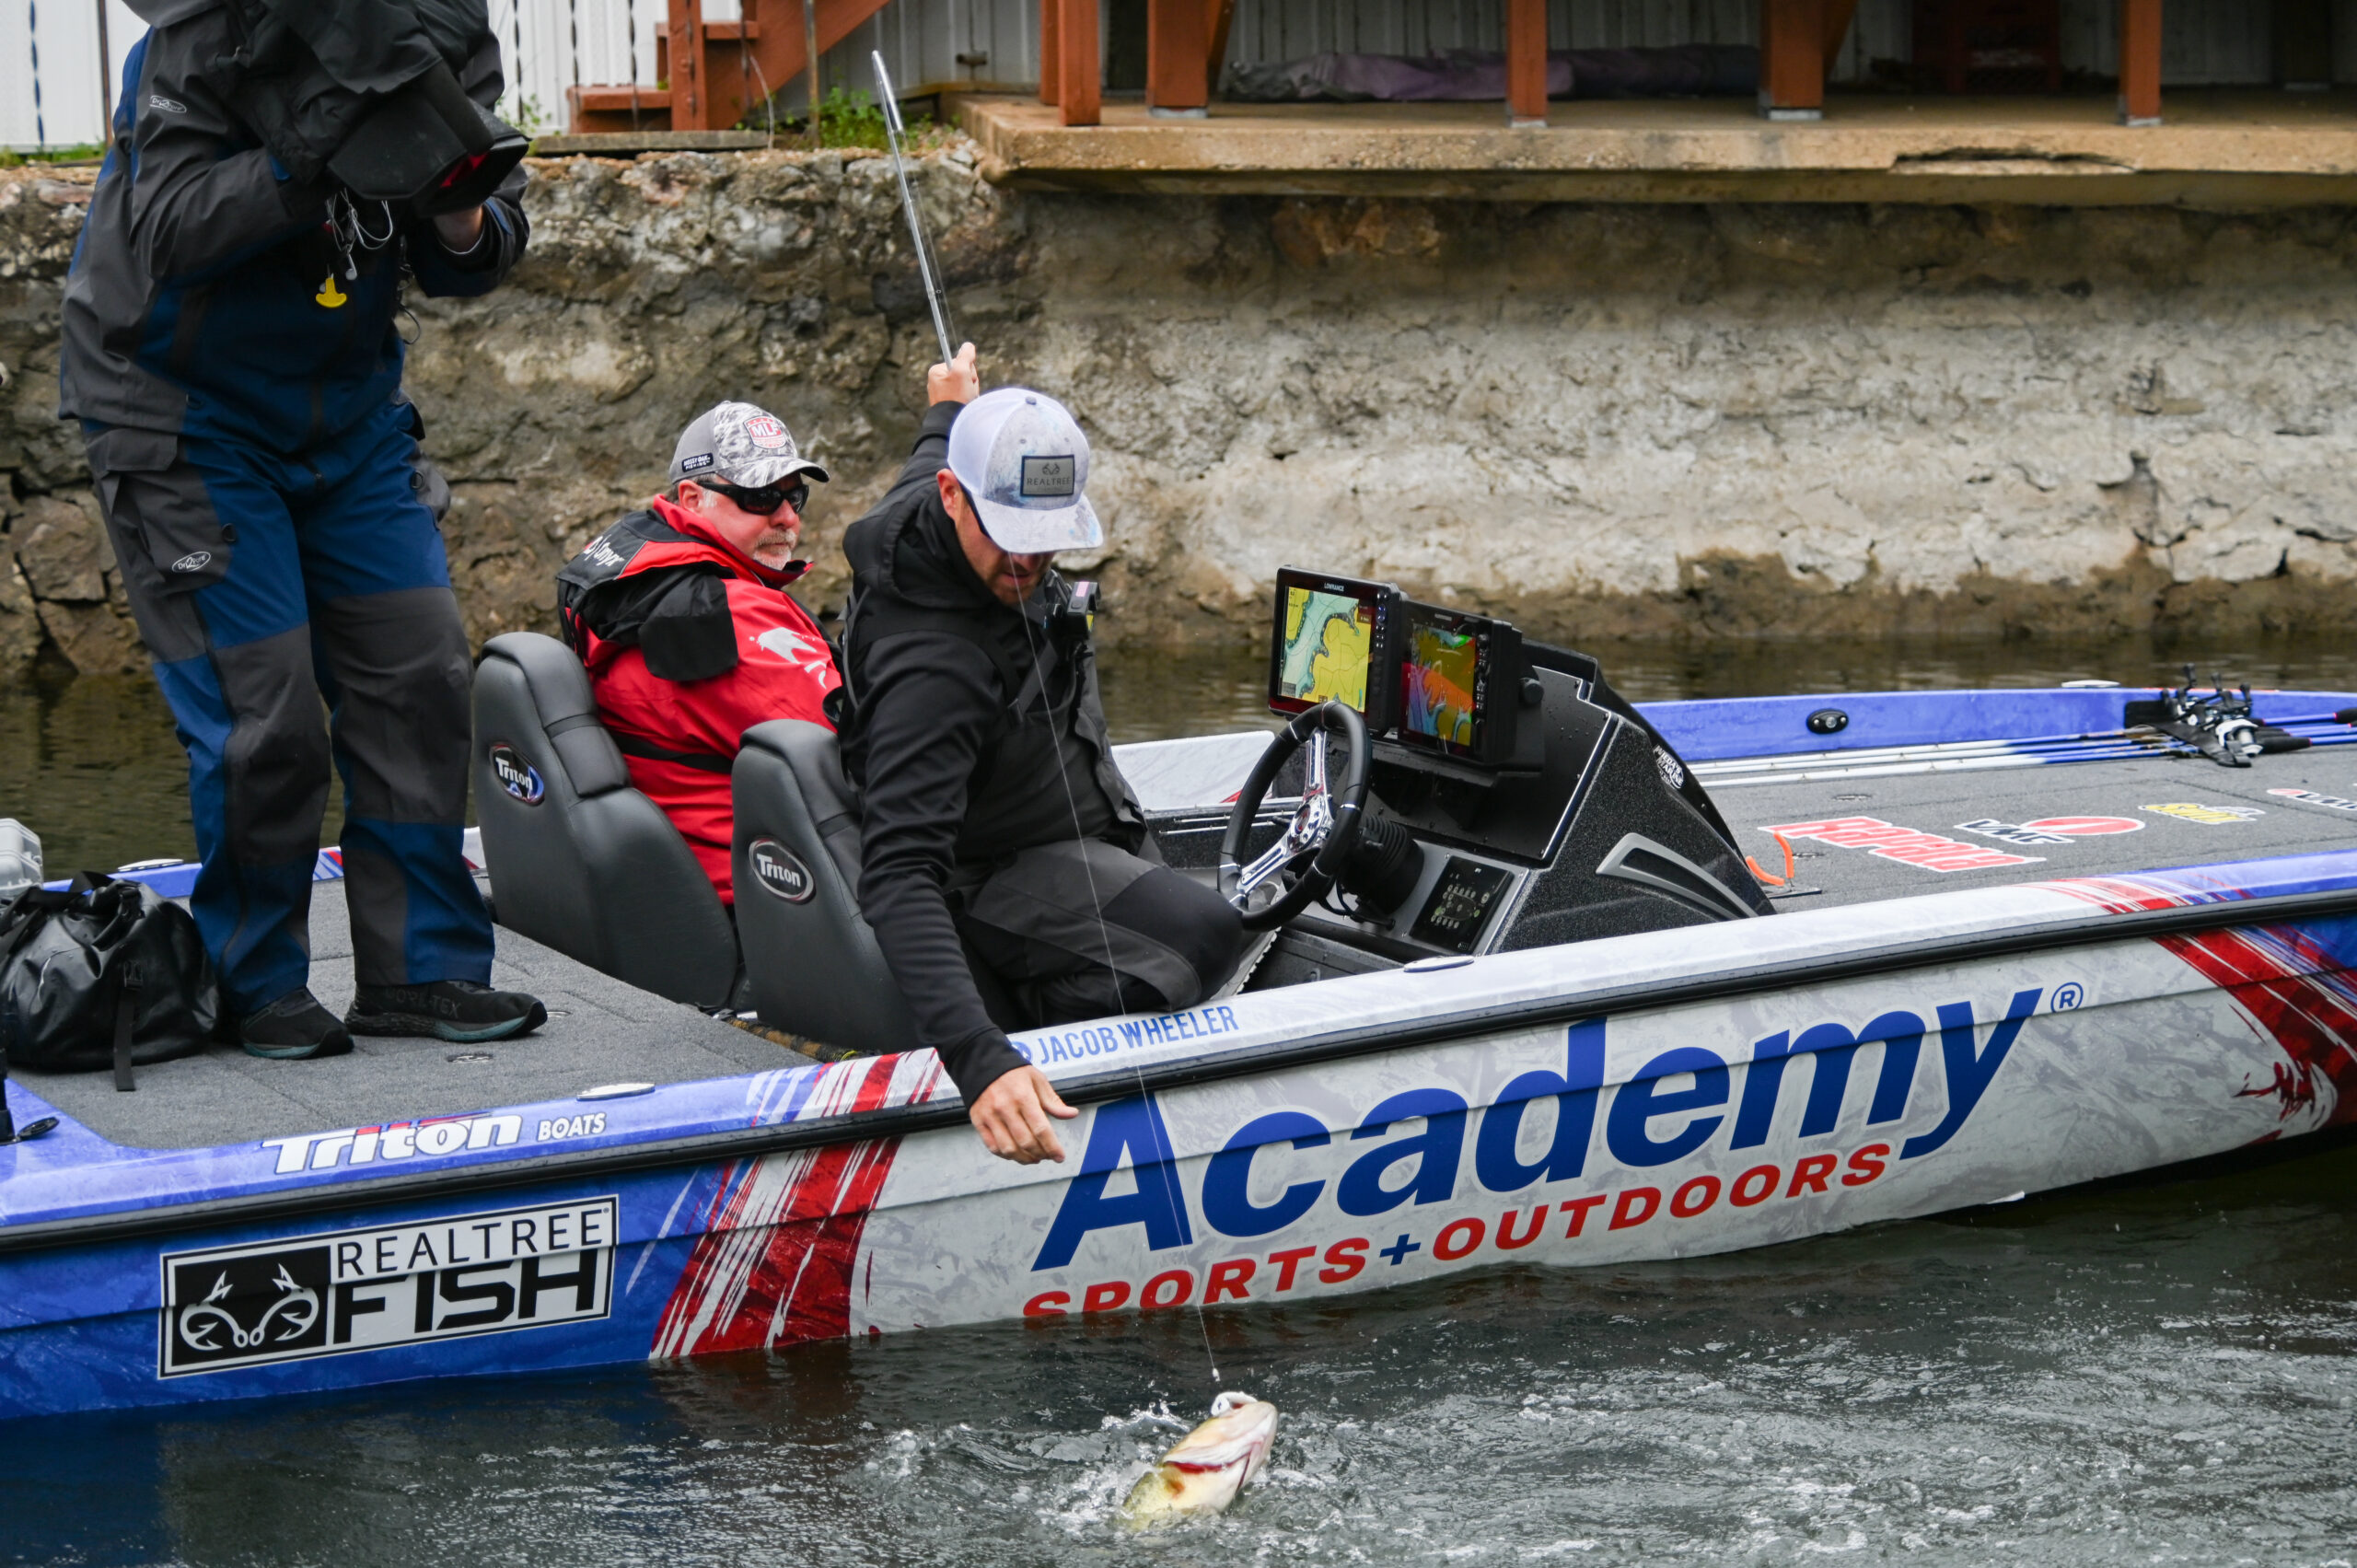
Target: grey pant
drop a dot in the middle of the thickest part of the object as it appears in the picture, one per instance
(1082, 929)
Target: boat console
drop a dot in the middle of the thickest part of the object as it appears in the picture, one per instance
(1446, 787)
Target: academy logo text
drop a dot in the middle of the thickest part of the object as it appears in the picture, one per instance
(1288, 1171)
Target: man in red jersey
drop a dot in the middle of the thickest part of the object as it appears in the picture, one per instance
(681, 614)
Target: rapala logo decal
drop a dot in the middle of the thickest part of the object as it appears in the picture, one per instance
(302, 1297)
(2310, 797)
(2050, 829)
(519, 779)
(1890, 842)
(1685, 1107)
(780, 871)
(194, 560)
(394, 1141)
(2209, 816)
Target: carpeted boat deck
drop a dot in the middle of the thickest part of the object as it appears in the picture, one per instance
(599, 1031)
(2189, 811)
(1964, 827)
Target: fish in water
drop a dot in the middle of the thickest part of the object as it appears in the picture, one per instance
(1204, 1472)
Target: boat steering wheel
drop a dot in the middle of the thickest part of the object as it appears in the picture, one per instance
(1309, 854)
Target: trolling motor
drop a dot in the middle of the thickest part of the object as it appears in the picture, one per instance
(2221, 727)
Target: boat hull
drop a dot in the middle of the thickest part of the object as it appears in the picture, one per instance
(1312, 1143)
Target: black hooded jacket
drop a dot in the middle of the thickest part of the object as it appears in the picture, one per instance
(975, 731)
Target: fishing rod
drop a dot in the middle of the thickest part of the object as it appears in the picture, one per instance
(893, 131)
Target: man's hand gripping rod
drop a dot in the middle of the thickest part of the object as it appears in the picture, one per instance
(893, 130)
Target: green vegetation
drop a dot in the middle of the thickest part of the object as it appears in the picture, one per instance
(84, 152)
(852, 119)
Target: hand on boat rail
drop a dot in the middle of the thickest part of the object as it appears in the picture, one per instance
(1012, 1117)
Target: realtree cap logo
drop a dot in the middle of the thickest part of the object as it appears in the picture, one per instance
(518, 778)
(780, 871)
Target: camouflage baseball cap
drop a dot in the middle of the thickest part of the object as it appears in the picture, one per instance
(740, 444)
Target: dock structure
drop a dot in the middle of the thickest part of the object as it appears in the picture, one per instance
(1982, 110)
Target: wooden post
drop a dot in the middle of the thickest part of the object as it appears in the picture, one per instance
(1177, 34)
(811, 60)
(1051, 50)
(690, 93)
(1525, 62)
(1083, 72)
(1837, 17)
(1792, 59)
(1223, 19)
(2140, 62)
(2304, 45)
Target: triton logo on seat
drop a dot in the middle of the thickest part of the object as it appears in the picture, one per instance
(780, 871)
(518, 778)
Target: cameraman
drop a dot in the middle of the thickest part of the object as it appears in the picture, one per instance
(230, 350)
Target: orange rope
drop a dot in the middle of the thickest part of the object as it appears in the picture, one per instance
(1764, 877)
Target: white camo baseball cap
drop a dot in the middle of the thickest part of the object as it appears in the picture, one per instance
(1022, 459)
(740, 444)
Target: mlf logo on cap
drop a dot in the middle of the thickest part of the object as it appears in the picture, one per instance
(740, 444)
(1023, 459)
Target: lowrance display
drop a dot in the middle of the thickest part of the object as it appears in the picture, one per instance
(1334, 641)
(1455, 676)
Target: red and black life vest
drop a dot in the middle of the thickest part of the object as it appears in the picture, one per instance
(648, 584)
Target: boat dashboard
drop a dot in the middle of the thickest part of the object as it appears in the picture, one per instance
(1512, 798)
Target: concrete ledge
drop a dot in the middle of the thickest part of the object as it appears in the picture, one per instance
(628, 144)
(2225, 149)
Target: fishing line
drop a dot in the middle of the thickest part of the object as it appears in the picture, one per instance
(935, 298)
(1105, 936)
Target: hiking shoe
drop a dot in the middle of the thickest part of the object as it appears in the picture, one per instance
(459, 1010)
(293, 1028)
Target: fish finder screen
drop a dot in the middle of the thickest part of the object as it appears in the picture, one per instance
(1334, 643)
(1445, 678)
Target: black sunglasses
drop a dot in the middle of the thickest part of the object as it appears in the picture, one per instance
(764, 499)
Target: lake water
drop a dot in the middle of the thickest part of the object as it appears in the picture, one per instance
(2158, 1374)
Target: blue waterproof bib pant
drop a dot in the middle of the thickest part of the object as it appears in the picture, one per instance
(232, 358)
(262, 584)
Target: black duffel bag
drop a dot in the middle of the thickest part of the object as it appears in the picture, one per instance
(102, 974)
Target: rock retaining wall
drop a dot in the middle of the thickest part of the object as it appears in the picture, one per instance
(1709, 421)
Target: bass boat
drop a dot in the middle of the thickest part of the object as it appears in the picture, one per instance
(1540, 977)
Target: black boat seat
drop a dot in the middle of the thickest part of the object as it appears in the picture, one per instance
(812, 965)
(579, 860)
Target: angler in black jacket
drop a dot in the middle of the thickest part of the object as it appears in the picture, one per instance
(1005, 866)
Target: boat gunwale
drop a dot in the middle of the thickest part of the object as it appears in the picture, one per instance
(108, 1226)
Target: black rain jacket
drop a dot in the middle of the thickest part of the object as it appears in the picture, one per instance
(974, 732)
